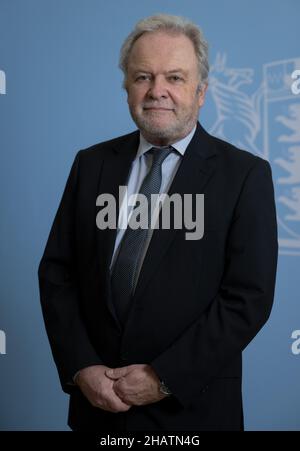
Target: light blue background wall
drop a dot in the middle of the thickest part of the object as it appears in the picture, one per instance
(63, 93)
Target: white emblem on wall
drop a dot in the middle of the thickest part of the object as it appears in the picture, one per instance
(266, 122)
(2, 82)
(2, 342)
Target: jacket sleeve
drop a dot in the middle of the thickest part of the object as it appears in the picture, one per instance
(59, 294)
(244, 299)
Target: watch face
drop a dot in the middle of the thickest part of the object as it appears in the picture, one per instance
(164, 389)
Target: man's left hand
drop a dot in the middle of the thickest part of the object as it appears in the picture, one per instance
(136, 384)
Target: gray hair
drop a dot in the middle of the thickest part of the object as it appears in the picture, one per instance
(171, 24)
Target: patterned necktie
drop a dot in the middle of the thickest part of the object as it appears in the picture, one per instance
(125, 269)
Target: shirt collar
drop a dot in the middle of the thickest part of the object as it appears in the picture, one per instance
(180, 145)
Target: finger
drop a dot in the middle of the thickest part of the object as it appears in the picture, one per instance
(119, 389)
(114, 408)
(111, 403)
(117, 404)
(116, 373)
(127, 395)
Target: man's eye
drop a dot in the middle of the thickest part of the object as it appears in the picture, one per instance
(142, 78)
(175, 78)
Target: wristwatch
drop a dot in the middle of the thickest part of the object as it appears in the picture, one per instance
(164, 389)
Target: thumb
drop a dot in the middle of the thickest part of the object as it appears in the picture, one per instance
(116, 373)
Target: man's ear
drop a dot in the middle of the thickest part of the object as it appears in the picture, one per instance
(127, 93)
(201, 94)
(125, 85)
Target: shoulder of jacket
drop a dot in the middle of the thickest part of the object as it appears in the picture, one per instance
(238, 157)
(102, 148)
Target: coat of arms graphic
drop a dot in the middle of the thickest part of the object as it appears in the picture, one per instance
(266, 122)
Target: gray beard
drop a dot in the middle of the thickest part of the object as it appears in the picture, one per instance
(170, 134)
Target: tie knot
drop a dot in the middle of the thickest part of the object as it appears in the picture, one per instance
(159, 154)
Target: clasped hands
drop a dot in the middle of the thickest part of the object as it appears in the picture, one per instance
(117, 389)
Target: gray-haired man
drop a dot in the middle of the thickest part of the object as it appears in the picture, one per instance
(147, 328)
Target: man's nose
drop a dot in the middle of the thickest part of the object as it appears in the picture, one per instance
(158, 88)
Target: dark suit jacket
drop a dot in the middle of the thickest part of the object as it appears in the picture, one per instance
(197, 304)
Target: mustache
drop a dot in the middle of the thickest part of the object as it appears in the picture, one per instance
(155, 105)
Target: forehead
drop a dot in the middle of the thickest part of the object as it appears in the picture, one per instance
(162, 49)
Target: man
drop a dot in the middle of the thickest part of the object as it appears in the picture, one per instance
(147, 327)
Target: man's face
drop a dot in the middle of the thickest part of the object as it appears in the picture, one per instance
(162, 86)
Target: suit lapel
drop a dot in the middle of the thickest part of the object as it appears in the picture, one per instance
(196, 168)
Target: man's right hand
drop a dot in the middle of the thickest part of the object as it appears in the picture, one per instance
(98, 389)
